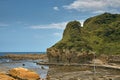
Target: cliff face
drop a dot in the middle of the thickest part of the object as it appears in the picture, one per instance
(72, 45)
(100, 34)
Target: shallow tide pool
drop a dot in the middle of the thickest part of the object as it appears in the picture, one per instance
(7, 64)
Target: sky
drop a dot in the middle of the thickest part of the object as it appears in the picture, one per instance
(35, 25)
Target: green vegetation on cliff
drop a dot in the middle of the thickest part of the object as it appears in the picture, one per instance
(104, 33)
(100, 34)
(73, 38)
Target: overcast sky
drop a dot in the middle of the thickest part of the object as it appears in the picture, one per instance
(35, 25)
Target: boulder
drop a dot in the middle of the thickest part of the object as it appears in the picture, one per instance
(23, 74)
(5, 77)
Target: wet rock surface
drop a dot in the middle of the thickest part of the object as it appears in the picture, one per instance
(82, 73)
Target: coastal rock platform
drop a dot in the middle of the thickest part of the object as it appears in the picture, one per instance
(68, 72)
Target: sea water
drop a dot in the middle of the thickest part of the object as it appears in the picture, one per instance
(5, 53)
(7, 64)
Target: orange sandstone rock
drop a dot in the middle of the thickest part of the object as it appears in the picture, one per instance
(25, 74)
(5, 77)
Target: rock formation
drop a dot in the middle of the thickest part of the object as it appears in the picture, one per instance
(72, 45)
(24, 56)
(23, 74)
(5, 77)
(99, 34)
(114, 59)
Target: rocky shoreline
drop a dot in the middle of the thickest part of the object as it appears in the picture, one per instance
(17, 66)
(75, 71)
(24, 56)
(64, 72)
(69, 71)
(82, 73)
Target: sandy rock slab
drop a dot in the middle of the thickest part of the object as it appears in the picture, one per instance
(5, 77)
(23, 74)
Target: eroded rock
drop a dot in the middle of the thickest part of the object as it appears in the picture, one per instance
(5, 77)
(23, 74)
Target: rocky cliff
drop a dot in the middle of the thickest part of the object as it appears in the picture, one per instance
(100, 34)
